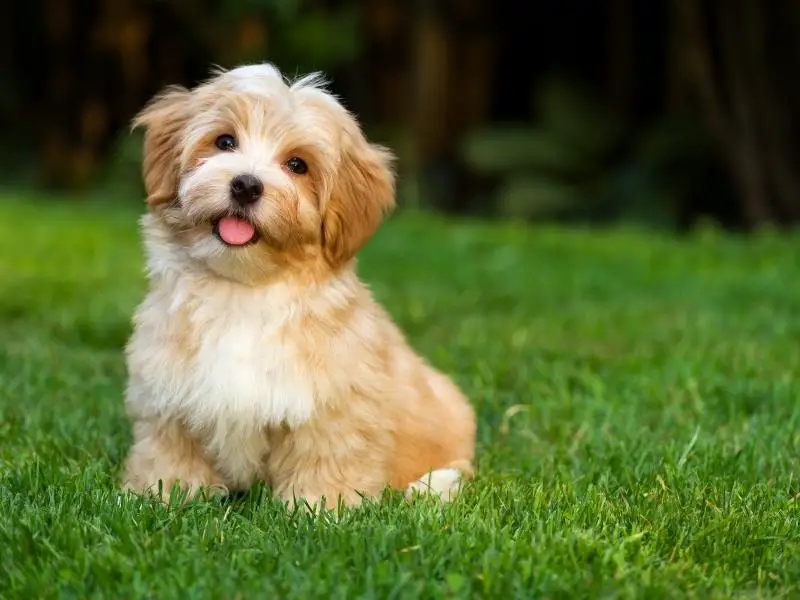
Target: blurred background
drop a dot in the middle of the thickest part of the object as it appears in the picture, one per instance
(666, 112)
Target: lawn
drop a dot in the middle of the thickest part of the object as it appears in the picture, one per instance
(637, 394)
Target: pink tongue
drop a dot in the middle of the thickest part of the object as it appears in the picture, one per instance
(236, 232)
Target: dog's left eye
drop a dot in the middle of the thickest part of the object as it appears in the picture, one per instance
(226, 143)
(297, 166)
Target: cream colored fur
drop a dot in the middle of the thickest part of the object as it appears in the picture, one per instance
(272, 361)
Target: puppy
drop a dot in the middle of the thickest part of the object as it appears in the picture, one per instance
(257, 353)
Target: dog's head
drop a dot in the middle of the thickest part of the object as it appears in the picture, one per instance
(252, 174)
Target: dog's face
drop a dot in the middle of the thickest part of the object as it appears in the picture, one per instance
(253, 175)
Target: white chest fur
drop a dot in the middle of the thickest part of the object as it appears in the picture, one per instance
(218, 360)
(244, 369)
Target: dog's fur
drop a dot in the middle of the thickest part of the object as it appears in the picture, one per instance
(272, 361)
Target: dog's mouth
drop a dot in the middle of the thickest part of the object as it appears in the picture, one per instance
(234, 231)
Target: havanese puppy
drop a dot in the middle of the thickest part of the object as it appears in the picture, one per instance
(257, 353)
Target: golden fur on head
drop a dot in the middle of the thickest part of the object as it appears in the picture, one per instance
(268, 359)
(338, 204)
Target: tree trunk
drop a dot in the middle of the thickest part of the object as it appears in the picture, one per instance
(452, 91)
(733, 57)
(621, 51)
(385, 60)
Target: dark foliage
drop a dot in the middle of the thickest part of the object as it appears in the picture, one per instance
(582, 109)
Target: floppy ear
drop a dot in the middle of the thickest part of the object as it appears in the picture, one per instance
(363, 192)
(164, 120)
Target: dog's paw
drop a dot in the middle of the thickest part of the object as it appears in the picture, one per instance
(444, 483)
(174, 489)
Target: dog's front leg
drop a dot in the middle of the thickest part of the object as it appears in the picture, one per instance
(326, 485)
(164, 452)
(315, 501)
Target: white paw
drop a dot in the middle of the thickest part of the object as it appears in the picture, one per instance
(445, 483)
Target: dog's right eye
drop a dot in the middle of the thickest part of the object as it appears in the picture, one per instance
(226, 143)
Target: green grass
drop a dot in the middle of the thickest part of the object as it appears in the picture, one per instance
(639, 422)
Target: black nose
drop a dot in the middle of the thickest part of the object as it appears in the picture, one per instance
(246, 189)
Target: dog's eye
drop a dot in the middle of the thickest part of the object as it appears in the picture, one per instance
(226, 143)
(297, 166)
